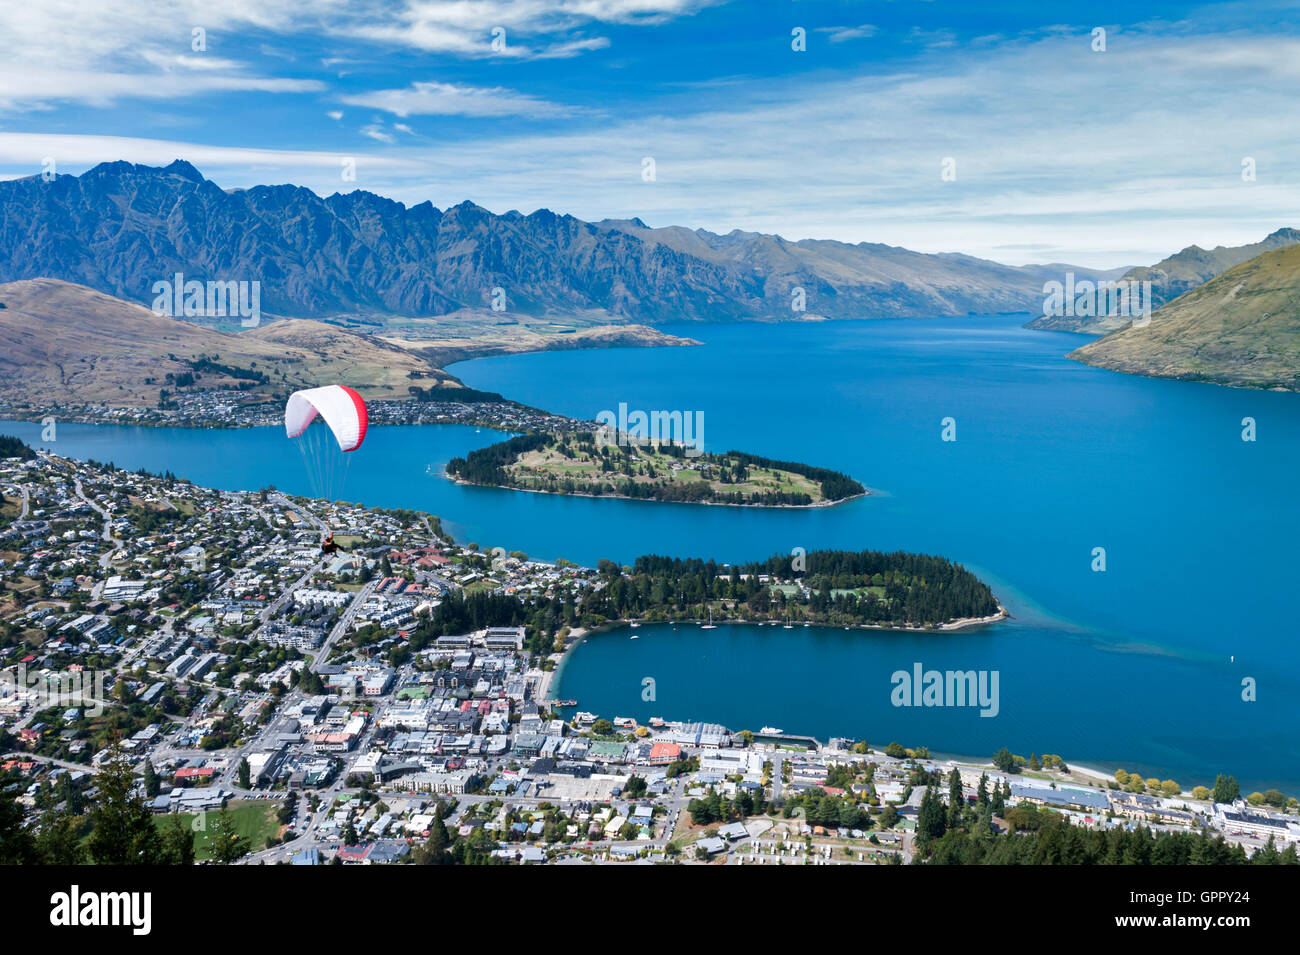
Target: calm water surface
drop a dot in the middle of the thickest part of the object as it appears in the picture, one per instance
(1131, 666)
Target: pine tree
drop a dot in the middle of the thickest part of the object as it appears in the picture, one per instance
(226, 843)
(930, 821)
(16, 843)
(955, 799)
(999, 803)
(59, 841)
(123, 832)
(1226, 789)
(178, 842)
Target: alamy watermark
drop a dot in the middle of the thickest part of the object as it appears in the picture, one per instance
(179, 298)
(642, 428)
(1126, 298)
(922, 687)
(80, 688)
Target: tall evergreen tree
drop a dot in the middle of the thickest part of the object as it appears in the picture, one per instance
(956, 799)
(123, 832)
(178, 842)
(930, 820)
(1226, 789)
(17, 847)
(225, 842)
(59, 841)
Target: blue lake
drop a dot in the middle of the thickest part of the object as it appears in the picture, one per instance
(1134, 665)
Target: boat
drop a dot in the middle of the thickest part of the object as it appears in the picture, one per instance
(709, 625)
(634, 624)
(772, 731)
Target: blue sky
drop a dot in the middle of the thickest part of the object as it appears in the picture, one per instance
(1062, 152)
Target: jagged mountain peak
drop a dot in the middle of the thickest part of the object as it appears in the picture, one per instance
(121, 227)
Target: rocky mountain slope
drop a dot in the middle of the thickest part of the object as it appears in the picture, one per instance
(1242, 329)
(1170, 278)
(120, 228)
(62, 343)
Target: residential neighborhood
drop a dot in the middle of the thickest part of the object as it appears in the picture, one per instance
(347, 707)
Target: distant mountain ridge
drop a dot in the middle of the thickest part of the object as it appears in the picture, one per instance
(119, 228)
(1241, 328)
(62, 343)
(1170, 278)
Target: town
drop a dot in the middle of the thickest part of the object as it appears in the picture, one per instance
(226, 408)
(374, 705)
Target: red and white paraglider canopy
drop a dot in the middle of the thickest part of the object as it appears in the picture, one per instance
(340, 406)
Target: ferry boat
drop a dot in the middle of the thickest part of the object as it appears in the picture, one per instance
(657, 722)
(586, 719)
(772, 731)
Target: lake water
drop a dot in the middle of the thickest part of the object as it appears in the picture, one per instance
(1133, 666)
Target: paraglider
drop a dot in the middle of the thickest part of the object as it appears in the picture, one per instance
(326, 449)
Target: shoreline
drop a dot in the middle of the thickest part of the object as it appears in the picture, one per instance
(655, 500)
(580, 634)
(1097, 773)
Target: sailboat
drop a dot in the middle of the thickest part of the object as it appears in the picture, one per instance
(709, 625)
(788, 625)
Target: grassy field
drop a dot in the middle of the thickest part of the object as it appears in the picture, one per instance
(255, 820)
(648, 466)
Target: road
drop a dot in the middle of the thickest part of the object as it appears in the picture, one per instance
(107, 534)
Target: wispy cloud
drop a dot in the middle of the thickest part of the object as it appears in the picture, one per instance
(519, 29)
(1060, 152)
(843, 34)
(60, 51)
(451, 99)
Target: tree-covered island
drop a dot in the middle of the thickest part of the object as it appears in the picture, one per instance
(583, 463)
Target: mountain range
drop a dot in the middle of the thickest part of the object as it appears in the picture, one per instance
(62, 343)
(1169, 278)
(359, 257)
(1241, 328)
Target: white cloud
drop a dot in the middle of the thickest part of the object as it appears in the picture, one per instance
(376, 131)
(1062, 154)
(74, 153)
(532, 28)
(451, 99)
(57, 51)
(842, 34)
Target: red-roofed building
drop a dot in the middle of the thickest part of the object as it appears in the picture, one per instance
(191, 773)
(661, 753)
(354, 853)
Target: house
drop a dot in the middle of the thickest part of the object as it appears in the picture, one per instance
(733, 832)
